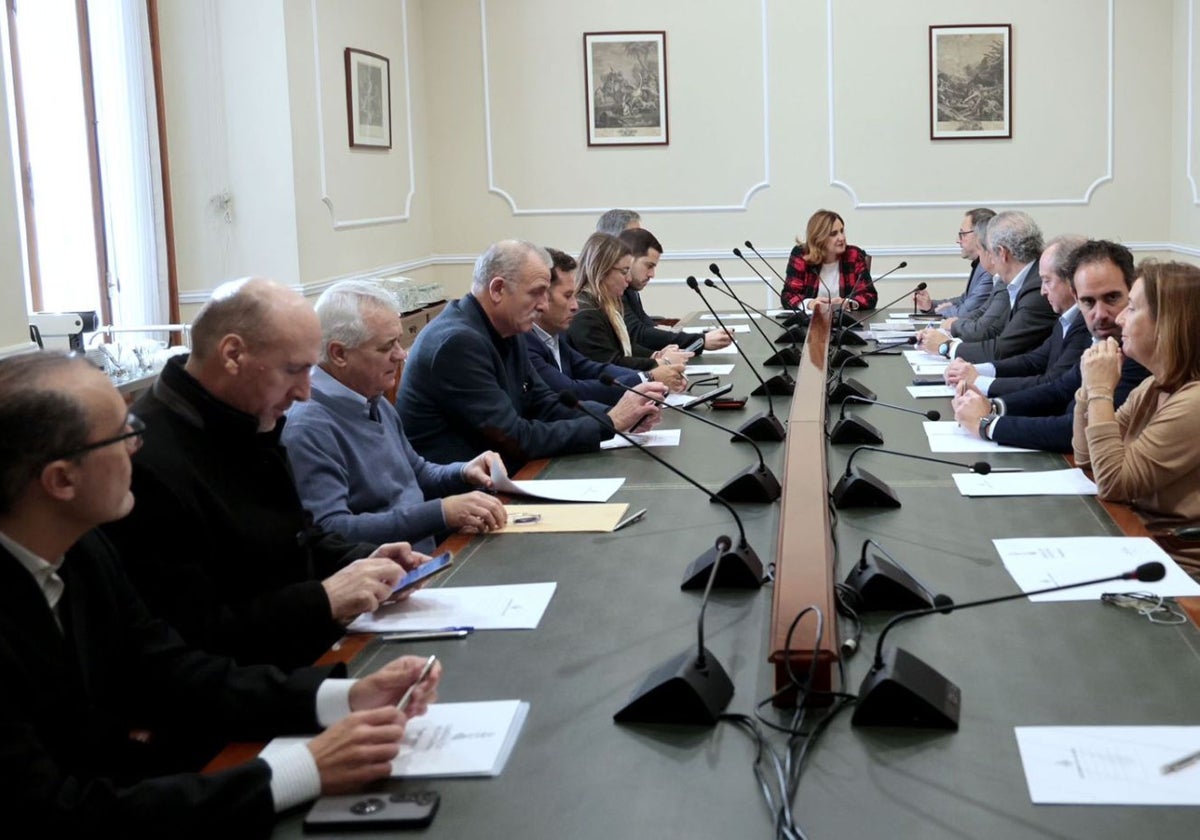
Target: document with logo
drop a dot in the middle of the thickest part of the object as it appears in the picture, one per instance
(656, 437)
(518, 606)
(558, 489)
(451, 740)
(948, 436)
(923, 392)
(1045, 483)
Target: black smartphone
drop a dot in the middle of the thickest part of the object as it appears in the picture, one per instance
(436, 566)
(695, 345)
(376, 808)
(710, 395)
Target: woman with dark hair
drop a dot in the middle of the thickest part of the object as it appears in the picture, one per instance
(1146, 452)
(824, 266)
(598, 330)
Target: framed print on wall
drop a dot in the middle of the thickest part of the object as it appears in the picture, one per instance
(368, 99)
(970, 82)
(626, 79)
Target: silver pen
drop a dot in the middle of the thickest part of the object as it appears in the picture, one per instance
(429, 663)
(427, 635)
(629, 520)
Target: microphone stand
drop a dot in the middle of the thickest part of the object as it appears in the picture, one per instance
(854, 429)
(859, 488)
(799, 319)
(782, 384)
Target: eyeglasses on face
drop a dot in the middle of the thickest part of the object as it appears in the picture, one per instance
(964, 233)
(624, 271)
(131, 438)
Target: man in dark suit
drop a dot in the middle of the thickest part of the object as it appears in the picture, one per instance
(1056, 355)
(979, 282)
(1102, 273)
(642, 328)
(247, 574)
(561, 366)
(469, 386)
(1015, 242)
(85, 663)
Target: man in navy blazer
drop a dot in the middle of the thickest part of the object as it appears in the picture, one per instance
(1015, 242)
(469, 386)
(85, 664)
(1053, 357)
(1102, 273)
(561, 366)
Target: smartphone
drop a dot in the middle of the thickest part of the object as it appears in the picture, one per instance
(436, 566)
(377, 808)
(710, 395)
(728, 403)
(695, 345)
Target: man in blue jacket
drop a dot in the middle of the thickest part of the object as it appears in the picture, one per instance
(561, 366)
(1102, 273)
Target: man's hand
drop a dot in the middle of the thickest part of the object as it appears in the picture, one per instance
(943, 307)
(932, 339)
(948, 323)
(476, 510)
(922, 300)
(961, 370)
(670, 375)
(362, 586)
(478, 472)
(358, 749)
(716, 339)
(402, 553)
(1101, 367)
(970, 407)
(634, 412)
(672, 354)
(386, 686)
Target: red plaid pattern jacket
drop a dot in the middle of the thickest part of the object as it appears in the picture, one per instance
(804, 280)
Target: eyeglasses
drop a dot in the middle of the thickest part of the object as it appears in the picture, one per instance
(624, 271)
(963, 233)
(132, 440)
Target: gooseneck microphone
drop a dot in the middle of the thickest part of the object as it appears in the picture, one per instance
(845, 336)
(858, 488)
(781, 383)
(856, 430)
(791, 335)
(742, 568)
(750, 245)
(840, 388)
(762, 426)
(902, 690)
(753, 484)
(798, 318)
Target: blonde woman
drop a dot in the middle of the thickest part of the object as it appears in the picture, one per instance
(598, 329)
(824, 266)
(1145, 452)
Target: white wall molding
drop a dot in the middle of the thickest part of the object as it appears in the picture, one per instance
(1189, 150)
(326, 198)
(496, 189)
(835, 181)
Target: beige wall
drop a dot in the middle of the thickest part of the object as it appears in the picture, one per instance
(489, 135)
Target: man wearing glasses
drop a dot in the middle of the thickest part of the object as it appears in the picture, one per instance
(86, 664)
(979, 283)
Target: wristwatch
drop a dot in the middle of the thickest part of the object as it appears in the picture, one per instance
(944, 349)
(984, 423)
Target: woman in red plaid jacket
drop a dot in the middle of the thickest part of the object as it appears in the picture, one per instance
(825, 267)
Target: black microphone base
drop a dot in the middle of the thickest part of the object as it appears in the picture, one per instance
(793, 335)
(861, 489)
(847, 337)
(679, 693)
(908, 693)
(796, 319)
(786, 356)
(756, 483)
(855, 430)
(838, 391)
(844, 358)
(882, 585)
(740, 569)
(762, 426)
(780, 385)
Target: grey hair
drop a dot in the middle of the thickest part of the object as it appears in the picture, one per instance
(613, 222)
(981, 232)
(1066, 245)
(1018, 232)
(505, 259)
(341, 308)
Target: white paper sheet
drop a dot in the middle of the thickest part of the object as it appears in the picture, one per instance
(930, 369)
(559, 489)
(1109, 765)
(917, 358)
(1048, 483)
(731, 350)
(1037, 563)
(518, 606)
(737, 328)
(727, 316)
(921, 392)
(715, 370)
(655, 437)
(451, 740)
(948, 436)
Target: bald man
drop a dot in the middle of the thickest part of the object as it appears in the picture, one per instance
(219, 543)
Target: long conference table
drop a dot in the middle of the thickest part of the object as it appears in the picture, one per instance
(618, 612)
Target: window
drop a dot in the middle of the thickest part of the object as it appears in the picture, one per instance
(87, 117)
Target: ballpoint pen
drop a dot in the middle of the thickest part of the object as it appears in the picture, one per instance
(429, 663)
(428, 635)
(1181, 763)
(629, 520)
